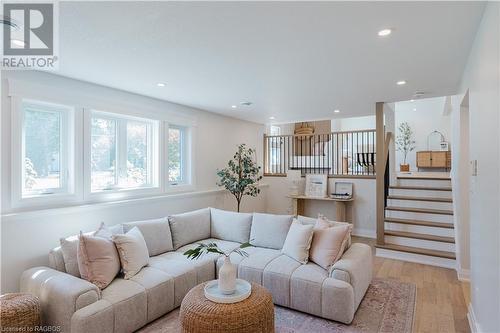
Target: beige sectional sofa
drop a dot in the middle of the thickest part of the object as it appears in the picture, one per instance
(126, 305)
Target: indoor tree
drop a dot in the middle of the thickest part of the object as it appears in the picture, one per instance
(241, 175)
(404, 140)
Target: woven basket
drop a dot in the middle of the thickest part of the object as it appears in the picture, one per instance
(19, 312)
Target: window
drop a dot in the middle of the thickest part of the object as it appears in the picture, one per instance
(177, 170)
(45, 148)
(275, 130)
(122, 152)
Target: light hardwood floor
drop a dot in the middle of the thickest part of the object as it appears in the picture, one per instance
(441, 298)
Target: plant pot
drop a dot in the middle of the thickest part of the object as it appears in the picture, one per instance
(404, 167)
(227, 277)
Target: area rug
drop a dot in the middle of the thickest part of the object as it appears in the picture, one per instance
(388, 306)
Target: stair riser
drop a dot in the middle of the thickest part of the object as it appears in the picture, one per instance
(424, 182)
(420, 243)
(421, 193)
(419, 216)
(420, 229)
(420, 204)
(418, 258)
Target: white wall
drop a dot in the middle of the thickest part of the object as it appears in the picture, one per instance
(361, 212)
(353, 123)
(427, 117)
(482, 78)
(26, 237)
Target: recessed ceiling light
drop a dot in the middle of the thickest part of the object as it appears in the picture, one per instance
(272, 118)
(384, 32)
(414, 109)
(233, 106)
(160, 84)
(401, 83)
(412, 100)
(336, 110)
(18, 42)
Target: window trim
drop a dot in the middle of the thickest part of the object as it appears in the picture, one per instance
(118, 193)
(68, 192)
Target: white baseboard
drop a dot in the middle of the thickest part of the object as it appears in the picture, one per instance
(474, 326)
(367, 233)
(463, 275)
(416, 258)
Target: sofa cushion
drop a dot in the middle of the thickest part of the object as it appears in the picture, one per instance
(298, 241)
(129, 301)
(183, 272)
(269, 230)
(132, 250)
(313, 221)
(159, 291)
(328, 245)
(230, 226)
(276, 278)
(69, 249)
(156, 234)
(189, 227)
(306, 285)
(252, 267)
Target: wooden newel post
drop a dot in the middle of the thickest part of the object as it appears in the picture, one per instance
(380, 171)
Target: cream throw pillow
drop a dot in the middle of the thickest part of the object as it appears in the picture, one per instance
(328, 244)
(132, 250)
(98, 259)
(298, 241)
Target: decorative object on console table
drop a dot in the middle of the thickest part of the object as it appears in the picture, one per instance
(241, 175)
(227, 273)
(295, 178)
(19, 312)
(343, 190)
(316, 186)
(405, 144)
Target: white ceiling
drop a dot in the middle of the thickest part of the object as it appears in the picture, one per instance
(293, 60)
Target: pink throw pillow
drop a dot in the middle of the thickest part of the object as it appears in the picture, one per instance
(328, 244)
(98, 260)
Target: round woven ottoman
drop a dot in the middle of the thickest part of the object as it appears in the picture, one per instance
(19, 312)
(253, 315)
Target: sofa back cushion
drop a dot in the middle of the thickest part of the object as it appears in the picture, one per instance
(269, 230)
(189, 227)
(298, 242)
(230, 226)
(156, 233)
(132, 250)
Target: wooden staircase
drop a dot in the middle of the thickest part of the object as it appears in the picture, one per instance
(418, 224)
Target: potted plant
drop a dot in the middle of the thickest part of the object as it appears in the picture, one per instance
(227, 273)
(241, 175)
(405, 144)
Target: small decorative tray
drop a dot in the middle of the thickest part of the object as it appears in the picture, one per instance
(242, 292)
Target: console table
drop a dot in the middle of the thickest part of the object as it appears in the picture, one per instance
(300, 200)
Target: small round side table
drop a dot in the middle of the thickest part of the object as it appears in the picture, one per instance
(253, 315)
(19, 311)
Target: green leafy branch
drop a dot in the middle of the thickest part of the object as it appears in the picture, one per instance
(203, 248)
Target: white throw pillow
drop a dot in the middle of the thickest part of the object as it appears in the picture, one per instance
(298, 242)
(133, 251)
(230, 226)
(269, 230)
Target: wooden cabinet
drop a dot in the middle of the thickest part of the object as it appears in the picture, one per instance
(434, 159)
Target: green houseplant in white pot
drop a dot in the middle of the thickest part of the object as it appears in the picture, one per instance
(227, 273)
(405, 144)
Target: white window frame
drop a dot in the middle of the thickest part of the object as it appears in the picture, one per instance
(68, 191)
(188, 183)
(117, 192)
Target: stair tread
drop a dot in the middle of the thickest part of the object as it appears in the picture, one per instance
(404, 197)
(420, 210)
(425, 188)
(417, 250)
(415, 235)
(424, 177)
(420, 222)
